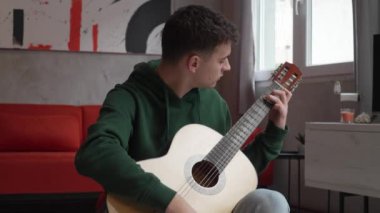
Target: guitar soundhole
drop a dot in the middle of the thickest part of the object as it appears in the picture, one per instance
(205, 174)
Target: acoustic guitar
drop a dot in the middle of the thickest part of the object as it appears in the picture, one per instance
(207, 169)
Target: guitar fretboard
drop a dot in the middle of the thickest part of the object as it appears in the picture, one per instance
(230, 144)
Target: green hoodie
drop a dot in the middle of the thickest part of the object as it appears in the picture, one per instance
(139, 119)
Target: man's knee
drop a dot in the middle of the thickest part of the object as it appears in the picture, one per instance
(263, 201)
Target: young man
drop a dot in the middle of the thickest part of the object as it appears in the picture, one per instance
(140, 117)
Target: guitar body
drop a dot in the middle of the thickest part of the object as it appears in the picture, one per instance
(190, 145)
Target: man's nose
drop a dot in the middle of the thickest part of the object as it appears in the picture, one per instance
(227, 66)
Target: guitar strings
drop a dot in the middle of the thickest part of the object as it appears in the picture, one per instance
(236, 131)
(252, 114)
(255, 112)
(252, 118)
(240, 126)
(236, 144)
(235, 137)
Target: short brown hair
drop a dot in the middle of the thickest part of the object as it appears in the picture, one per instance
(195, 28)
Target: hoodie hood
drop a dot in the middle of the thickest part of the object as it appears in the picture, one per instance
(175, 111)
(145, 74)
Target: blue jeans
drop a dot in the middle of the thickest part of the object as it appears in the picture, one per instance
(258, 201)
(263, 201)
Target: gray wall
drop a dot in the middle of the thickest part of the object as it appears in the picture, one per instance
(61, 77)
(67, 77)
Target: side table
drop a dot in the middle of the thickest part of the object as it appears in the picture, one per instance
(290, 155)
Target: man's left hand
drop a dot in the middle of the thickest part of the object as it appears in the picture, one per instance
(279, 111)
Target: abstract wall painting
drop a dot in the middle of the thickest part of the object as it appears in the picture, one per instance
(114, 26)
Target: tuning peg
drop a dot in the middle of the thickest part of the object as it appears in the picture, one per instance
(276, 70)
(295, 86)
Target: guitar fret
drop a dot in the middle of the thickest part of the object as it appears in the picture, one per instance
(217, 151)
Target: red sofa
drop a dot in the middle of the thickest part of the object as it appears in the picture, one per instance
(38, 145)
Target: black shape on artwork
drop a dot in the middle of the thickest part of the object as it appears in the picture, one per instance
(115, 1)
(18, 27)
(148, 16)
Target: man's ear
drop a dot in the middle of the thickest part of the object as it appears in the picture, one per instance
(193, 63)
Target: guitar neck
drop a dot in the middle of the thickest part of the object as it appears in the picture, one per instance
(231, 143)
(286, 76)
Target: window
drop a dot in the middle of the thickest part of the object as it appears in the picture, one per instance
(315, 35)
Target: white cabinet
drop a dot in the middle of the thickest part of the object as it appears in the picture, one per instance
(343, 157)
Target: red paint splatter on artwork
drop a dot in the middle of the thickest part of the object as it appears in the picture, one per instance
(95, 32)
(75, 25)
(39, 47)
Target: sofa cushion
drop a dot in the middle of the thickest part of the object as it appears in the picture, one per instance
(40, 128)
(42, 172)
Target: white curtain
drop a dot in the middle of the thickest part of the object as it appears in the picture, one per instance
(366, 24)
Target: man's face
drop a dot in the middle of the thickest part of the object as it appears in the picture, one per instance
(213, 66)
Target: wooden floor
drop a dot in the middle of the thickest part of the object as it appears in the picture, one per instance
(83, 203)
(49, 204)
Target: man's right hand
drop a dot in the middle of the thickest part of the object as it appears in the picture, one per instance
(179, 205)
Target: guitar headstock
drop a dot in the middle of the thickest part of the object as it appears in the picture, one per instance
(288, 76)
